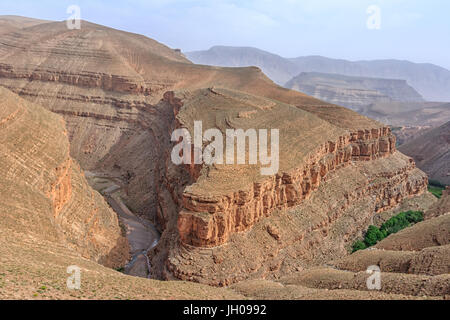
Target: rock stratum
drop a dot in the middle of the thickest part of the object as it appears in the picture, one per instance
(106, 83)
(116, 97)
(329, 186)
(353, 92)
(431, 151)
(432, 82)
(44, 194)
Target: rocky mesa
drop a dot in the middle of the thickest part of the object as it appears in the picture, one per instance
(329, 186)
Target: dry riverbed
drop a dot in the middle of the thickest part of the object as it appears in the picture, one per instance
(141, 234)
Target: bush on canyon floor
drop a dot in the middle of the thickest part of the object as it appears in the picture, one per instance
(436, 188)
(358, 245)
(393, 225)
(373, 235)
(437, 184)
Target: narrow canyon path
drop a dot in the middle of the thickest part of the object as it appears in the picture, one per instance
(141, 234)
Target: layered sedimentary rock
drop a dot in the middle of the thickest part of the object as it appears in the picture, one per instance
(106, 84)
(322, 228)
(331, 177)
(114, 91)
(353, 92)
(43, 191)
(241, 209)
(431, 151)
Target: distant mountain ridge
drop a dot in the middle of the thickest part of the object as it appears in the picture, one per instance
(353, 92)
(431, 151)
(277, 68)
(431, 81)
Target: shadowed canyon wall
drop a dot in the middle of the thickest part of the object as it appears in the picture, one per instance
(43, 191)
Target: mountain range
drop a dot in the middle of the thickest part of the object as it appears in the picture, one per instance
(353, 92)
(432, 82)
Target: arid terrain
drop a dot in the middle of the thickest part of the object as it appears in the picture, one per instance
(431, 151)
(430, 81)
(86, 179)
(409, 97)
(353, 92)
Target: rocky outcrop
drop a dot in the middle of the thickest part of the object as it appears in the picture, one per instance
(279, 224)
(353, 92)
(102, 81)
(441, 207)
(61, 189)
(206, 221)
(321, 228)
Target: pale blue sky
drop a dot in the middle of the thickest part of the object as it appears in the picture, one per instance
(416, 30)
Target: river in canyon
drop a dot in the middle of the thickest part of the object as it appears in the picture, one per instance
(141, 234)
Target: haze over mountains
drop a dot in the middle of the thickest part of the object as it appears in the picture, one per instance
(103, 103)
(353, 92)
(430, 81)
(409, 96)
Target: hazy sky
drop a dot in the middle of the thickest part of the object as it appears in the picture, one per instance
(416, 30)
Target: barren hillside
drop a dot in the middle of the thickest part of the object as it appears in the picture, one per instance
(44, 195)
(431, 151)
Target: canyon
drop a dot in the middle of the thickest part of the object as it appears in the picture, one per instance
(43, 191)
(94, 109)
(230, 229)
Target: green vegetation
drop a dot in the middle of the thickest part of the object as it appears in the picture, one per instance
(358, 245)
(436, 188)
(393, 225)
(436, 183)
(120, 269)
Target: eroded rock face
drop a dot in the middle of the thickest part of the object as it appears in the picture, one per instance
(107, 84)
(43, 191)
(113, 90)
(280, 224)
(240, 210)
(353, 92)
(431, 151)
(320, 229)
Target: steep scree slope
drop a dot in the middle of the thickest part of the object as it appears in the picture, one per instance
(43, 193)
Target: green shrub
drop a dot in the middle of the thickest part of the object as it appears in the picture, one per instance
(358, 245)
(400, 221)
(393, 225)
(436, 188)
(436, 191)
(415, 216)
(373, 235)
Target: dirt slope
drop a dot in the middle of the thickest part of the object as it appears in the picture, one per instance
(15, 23)
(431, 151)
(44, 194)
